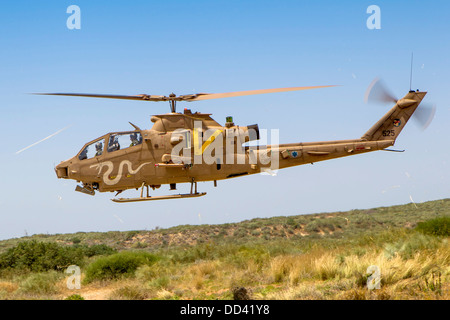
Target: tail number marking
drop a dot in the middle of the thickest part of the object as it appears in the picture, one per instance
(388, 133)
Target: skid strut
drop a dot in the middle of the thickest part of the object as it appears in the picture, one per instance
(173, 196)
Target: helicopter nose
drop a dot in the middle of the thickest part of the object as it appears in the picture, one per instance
(67, 170)
(62, 171)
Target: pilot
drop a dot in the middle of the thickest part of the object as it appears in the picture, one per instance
(98, 148)
(134, 139)
(113, 144)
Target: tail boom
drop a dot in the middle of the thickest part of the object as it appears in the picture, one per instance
(296, 154)
(379, 137)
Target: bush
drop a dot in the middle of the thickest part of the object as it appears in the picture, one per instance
(318, 225)
(130, 293)
(98, 249)
(436, 227)
(40, 283)
(407, 248)
(40, 256)
(122, 264)
(74, 297)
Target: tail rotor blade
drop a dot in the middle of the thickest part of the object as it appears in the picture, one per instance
(424, 115)
(377, 92)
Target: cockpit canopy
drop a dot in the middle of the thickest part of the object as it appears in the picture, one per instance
(116, 141)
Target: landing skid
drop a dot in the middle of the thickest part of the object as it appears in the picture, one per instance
(194, 194)
(173, 196)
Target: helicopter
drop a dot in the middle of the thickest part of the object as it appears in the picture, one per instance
(191, 147)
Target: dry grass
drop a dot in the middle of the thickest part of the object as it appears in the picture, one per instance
(334, 275)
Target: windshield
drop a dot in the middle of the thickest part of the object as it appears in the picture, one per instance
(93, 149)
(118, 141)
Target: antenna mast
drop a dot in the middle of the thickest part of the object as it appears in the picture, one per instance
(410, 76)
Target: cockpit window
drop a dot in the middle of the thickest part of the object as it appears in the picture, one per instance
(119, 141)
(94, 149)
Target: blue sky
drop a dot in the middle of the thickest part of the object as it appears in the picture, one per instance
(159, 47)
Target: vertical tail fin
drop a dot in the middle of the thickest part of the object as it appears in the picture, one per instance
(393, 122)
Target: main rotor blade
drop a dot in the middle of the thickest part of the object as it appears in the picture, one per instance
(377, 92)
(207, 96)
(186, 97)
(144, 97)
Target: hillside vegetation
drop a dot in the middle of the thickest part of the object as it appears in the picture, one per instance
(398, 252)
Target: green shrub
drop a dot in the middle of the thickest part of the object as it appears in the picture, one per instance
(436, 227)
(202, 251)
(312, 226)
(76, 240)
(146, 273)
(130, 293)
(407, 248)
(160, 282)
(74, 297)
(98, 249)
(130, 234)
(40, 283)
(319, 224)
(41, 256)
(122, 264)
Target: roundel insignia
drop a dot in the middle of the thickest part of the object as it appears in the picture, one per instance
(294, 154)
(397, 122)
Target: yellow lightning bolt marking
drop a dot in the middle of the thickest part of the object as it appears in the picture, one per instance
(197, 141)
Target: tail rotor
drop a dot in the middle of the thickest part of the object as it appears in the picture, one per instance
(377, 92)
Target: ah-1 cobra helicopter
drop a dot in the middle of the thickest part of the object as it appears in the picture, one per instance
(192, 147)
